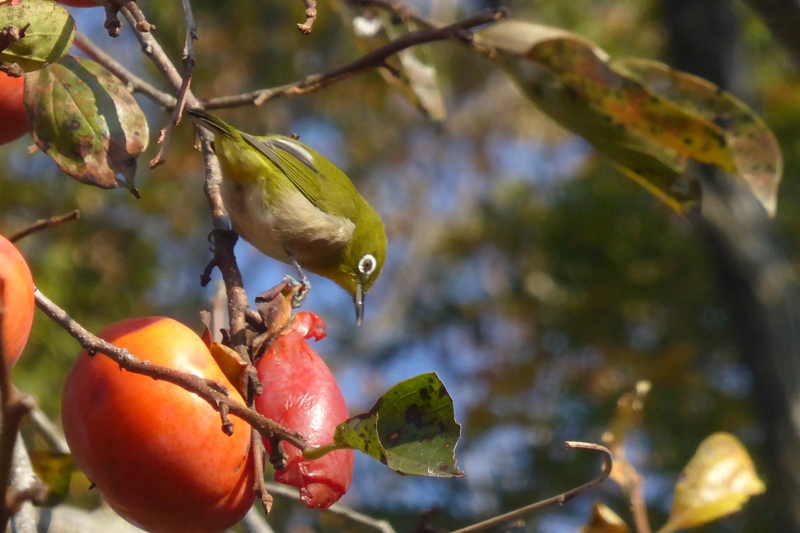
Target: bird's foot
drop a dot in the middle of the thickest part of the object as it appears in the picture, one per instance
(299, 288)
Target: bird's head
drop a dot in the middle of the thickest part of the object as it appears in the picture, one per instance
(362, 261)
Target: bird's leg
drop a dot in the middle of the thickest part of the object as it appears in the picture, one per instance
(303, 286)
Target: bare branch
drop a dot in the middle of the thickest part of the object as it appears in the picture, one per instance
(183, 91)
(311, 16)
(337, 508)
(371, 60)
(45, 223)
(134, 83)
(562, 498)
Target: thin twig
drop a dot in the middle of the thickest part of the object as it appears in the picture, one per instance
(311, 16)
(212, 392)
(47, 429)
(562, 498)
(153, 50)
(25, 482)
(45, 223)
(633, 487)
(374, 59)
(134, 83)
(183, 92)
(338, 509)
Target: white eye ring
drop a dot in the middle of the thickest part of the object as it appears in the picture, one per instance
(367, 264)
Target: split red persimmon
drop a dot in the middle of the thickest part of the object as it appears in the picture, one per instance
(155, 451)
(301, 394)
(17, 299)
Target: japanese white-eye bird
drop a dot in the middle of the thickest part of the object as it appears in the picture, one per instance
(296, 206)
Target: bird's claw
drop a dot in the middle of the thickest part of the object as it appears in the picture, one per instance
(300, 290)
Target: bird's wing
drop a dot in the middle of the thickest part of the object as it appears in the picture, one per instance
(294, 161)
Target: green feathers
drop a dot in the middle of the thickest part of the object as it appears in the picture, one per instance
(294, 205)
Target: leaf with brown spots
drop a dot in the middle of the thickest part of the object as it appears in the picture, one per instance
(87, 121)
(48, 35)
(754, 148)
(648, 119)
(411, 429)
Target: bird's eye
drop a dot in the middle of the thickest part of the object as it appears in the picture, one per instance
(367, 264)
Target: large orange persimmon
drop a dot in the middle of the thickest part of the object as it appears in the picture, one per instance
(13, 118)
(156, 452)
(17, 300)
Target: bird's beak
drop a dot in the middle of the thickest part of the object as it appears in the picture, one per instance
(358, 301)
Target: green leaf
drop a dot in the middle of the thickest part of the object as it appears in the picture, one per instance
(718, 481)
(47, 39)
(411, 429)
(87, 121)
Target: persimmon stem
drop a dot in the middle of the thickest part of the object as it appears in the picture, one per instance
(317, 452)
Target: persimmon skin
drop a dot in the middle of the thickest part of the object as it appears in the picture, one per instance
(18, 300)
(301, 394)
(13, 117)
(155, 451)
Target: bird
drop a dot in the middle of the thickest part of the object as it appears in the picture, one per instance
(294, 205)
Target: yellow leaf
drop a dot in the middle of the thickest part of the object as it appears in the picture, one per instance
(718, 481)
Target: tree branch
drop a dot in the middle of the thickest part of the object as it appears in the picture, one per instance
(371, 60)
(561, 499)
(45, 223)
(215, 394)
(337, 508)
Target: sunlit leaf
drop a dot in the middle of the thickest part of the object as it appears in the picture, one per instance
(411, 429)
(87, 121)
(649, 131)
(718, 481)
(55, 470)
(754, 148)
(48, 37)
(604, 520)
(656, 167)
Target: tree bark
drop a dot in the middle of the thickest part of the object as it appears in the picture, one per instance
(758, 287)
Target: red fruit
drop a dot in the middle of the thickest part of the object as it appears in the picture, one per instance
(79, 3)
(13, 118)
(155, 451)
(301, 394)
(18, 300)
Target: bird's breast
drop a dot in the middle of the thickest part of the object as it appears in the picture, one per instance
(285, 219)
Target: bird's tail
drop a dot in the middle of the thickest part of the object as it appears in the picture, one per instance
(211, 122)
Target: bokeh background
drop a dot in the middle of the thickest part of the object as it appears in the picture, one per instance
(536, 280)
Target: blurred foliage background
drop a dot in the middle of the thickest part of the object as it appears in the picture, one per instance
(530, 274)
